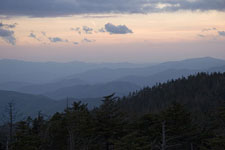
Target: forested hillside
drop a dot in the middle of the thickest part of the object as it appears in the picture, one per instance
(164, 117)
(201, 92)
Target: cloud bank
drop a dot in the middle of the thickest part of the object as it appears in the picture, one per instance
(46, 8)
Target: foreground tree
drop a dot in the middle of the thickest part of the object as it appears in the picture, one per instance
(178, 130)
(109, 123)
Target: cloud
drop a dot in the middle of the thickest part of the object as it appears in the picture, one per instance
(87, 40)
(200, 35)
(43, 33)
(120, 29)
(208, 29)
(102, 30)
(56, 39)
(47, 8)
(77, 29)
(32, 35)
(87, 30)
(221, 33)
(8, 25)
(75, 43)
(7, 35)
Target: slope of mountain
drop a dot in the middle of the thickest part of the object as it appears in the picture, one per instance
(13, 86)
(217, 69)
(29, 105)
(158, 77)
(48, 87)
(194, 63)
(93, 91)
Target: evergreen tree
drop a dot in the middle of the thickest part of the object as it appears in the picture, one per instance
(177, 128)
(79, 126)
(110, 122)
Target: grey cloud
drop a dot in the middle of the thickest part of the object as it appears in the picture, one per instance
(12, 25)
(75, 43)
(87, 30)
(87, 40)
(8, 36)
(32, 35)
(55, 39)
(208, 29)
(43, 33)
(8, 25)
(101, 30)
(46, 8)
(221, 33)
(76, 29)
(200, 35)
(120, 29)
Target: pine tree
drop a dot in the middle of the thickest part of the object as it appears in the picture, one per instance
(110, 122)
(178, 130)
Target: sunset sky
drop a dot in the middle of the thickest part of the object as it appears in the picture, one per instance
(111, 30)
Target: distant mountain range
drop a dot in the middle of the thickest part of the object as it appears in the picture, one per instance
(160, 77)
(70, 79)
(85, 81)
(108, 75)
(42, 72)
(166, 75)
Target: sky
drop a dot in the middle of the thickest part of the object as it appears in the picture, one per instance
(111, 30)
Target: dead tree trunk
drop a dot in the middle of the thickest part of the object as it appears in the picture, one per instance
(10, 122)
(192, 148)
(71, 139)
